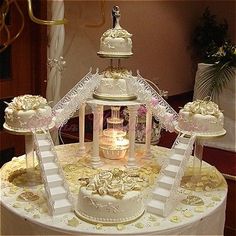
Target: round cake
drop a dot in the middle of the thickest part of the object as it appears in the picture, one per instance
(27, 112)
(116, 42)
(111, 197)
(201, 116)
(113, 85)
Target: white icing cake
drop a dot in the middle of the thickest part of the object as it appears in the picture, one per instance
(27, 112)
(201, 116)
(113, 85)
(111, 197)
(116, 42)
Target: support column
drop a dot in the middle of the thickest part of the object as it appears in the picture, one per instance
(132, 125)
(95, 159)
(148, 136)
(197, 162)
(81, 129)
(29, 152)
(100, 119)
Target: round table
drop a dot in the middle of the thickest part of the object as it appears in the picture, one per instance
(30, 217)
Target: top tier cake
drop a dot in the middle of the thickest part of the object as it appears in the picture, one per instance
(116, 42)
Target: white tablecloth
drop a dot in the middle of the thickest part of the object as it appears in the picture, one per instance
(18, 220)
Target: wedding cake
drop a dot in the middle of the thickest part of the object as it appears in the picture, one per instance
(111, 197)
(113, 85)
(27, 112)
(201, 116)
(116, 42)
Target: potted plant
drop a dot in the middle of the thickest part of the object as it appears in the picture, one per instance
(217, 53)
(216, 73)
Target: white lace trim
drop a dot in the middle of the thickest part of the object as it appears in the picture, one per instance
(72, 101)
(160, 108)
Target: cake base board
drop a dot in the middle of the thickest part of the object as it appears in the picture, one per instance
(23, 131)
(104, 55)
(88, 220)
(115, 98)
(202, 134)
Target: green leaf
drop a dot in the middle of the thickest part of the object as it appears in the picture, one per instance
(214, 78)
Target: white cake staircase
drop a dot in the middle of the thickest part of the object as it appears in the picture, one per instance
(56, 188)
(164, 195)
(72, 101)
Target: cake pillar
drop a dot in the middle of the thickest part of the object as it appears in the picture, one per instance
(132, 126)
(148, 136)
(197, 162)
(100, 119)
(81, 129)
(96, 161)
(29, 152)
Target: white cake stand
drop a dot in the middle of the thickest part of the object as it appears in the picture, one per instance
(201, 137)
(29, 143)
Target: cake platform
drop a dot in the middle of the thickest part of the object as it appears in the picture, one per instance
(24, 205)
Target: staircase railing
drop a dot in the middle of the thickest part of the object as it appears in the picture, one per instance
(61, 172)
(46, 187)
(72, 101)
(173, 198)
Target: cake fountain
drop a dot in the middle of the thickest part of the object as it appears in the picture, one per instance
(123, 192)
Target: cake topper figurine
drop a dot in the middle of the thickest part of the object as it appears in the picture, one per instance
(115, 17)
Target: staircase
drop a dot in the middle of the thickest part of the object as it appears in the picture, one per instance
(159, 106)
(56, 188)
(164, 195)
(72, 101)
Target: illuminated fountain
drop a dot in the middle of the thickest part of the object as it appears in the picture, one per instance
(113, 141)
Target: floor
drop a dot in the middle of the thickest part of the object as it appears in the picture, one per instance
(224, 161)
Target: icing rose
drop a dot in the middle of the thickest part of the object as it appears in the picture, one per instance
(116, 73)
(27, 102)
(202, 107)
(116, 33)
(114, 182)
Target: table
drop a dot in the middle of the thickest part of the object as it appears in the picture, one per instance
(31, 218)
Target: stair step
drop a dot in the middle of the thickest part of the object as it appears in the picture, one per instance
(42, 136)
(47, 156)
(156, 207)
(54, 180)
(161, 194)
(50, 168)
(62, 206)
(176, 159)
(44, 145)
(166, 182)
(180, 148)
(58, 192)
(184, 140)
(171, 170)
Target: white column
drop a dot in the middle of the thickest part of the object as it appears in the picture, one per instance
(55, 53)
(132, 126)
(29, 152)
(148, 134)
(95, 159)
(197, 162)
(81, 129)
(100, 119)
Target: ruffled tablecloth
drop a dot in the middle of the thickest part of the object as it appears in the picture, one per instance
(204, 215)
